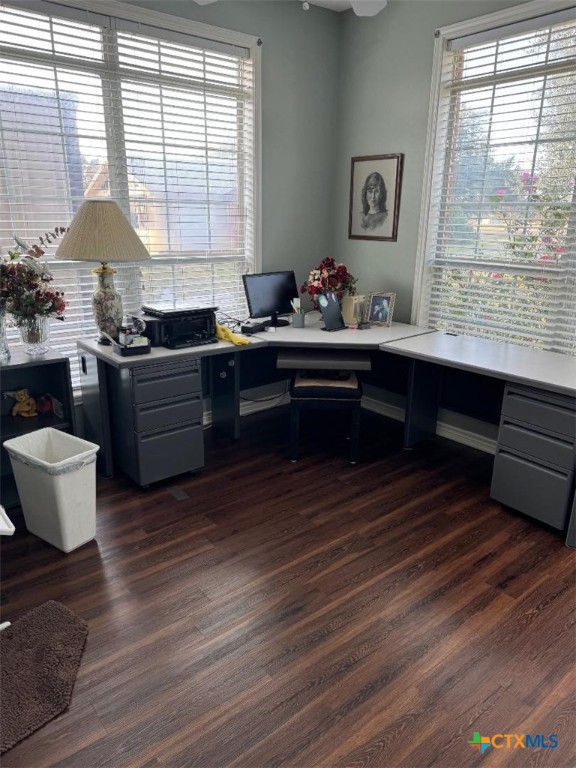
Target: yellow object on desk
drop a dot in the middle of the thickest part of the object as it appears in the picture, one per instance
(225, 334)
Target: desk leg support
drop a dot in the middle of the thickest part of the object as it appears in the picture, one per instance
(424, 382)
(96, 410)
(225, 394)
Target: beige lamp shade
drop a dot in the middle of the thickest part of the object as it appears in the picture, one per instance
(101, 232)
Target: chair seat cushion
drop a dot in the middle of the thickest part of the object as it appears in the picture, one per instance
(326, 385)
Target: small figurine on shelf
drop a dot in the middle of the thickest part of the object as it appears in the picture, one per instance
(24, 405)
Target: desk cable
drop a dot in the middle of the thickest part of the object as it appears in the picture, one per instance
(231, 322)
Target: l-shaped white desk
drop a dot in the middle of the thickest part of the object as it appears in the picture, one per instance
(540, 384)
(535, 462)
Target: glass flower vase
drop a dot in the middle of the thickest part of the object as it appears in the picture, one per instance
(4, 348)
(35, 334)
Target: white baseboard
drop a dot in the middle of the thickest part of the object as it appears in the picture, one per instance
(253, 406)
(464, 436)
(458, 435)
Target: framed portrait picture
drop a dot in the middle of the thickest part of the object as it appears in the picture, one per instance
(375, 184)
(379, 308)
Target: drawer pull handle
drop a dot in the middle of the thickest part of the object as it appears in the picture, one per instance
(535, 402)
(540, 467)
(533, 432)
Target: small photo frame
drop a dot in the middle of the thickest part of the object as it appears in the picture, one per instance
(379, 309)
(375, 183)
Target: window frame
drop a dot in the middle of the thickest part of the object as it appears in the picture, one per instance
(111, 14)
(517, 15)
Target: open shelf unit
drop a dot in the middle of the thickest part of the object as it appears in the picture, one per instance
(47, 374)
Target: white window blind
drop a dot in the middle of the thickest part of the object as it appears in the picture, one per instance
(162, 122)
(500, 247)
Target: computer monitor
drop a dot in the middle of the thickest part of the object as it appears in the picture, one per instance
(269, 294)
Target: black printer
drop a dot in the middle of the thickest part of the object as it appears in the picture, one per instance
(179, 328)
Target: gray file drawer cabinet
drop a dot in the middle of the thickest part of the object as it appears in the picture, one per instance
(164, 453)
(543, 492)
(165, 413)
(548, 447)
(157, 415)
(162, 381)
(540, 409)
(535, 459)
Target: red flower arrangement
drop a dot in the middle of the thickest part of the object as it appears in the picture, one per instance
(329, 276)
(37, 302)
(24, 283)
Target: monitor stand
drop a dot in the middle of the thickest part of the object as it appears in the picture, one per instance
(275, 321)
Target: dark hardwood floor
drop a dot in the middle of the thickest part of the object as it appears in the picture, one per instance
(263, 613)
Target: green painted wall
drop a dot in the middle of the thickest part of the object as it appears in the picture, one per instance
(384, 92)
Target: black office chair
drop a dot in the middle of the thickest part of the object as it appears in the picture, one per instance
(328, 390)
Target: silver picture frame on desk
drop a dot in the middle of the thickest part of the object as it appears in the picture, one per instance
(379, 309)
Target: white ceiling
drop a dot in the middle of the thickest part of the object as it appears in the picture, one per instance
(332, 5)
(360, 7)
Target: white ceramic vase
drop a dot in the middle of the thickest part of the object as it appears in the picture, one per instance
(107, 303)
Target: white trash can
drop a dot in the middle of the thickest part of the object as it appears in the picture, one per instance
(56, 478)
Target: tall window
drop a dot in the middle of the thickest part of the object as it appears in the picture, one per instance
(498, 259)
(161, 121)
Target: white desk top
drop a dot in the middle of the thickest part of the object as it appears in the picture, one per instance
(313, 335)
(310, 336)
(511, 362)
(547, 370)
(163, 354)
